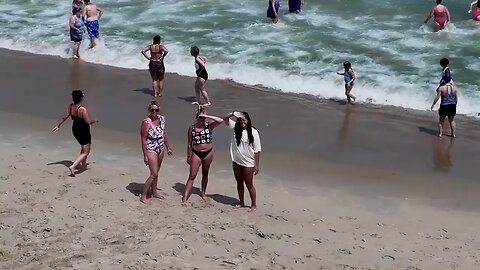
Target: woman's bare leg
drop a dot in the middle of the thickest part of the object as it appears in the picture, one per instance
(153, 166)
(197, 91)
(238, 173)
(195, 163)
(155, 181)
(453, 126)
(85, 150)
(161, 79)
(76, 50)
(248, 176)
(204, 92)
(206, 162)
(348, 89)
(440, 125)
(154, 76)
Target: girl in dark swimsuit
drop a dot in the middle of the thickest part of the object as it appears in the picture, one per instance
(202, 76)
(80, 128)
(156, 65)
(199, 150)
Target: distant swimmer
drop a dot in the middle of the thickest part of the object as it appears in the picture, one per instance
(77, 27)
(154, 146)
(349, 78)
(80, 128)
(476, 12)
(295, 6)
(447, 93)
(441, 16)
(92, 14)
(202, 76)
(156, 66)
(272, 11)
(77, 4)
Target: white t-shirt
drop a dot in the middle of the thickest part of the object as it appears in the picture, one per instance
(244, 154)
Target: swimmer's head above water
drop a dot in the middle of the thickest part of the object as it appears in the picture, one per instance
(157, 39)
(347, 65)
(444, 62)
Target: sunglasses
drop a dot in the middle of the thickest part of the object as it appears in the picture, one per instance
(154, 110)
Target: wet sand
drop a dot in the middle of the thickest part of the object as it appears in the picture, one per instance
(341, 187)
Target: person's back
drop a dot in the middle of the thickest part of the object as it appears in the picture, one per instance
(448, 94)
(91, 11)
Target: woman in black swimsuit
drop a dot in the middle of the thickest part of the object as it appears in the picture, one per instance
(80, 128)
(156, 65)
(199, 150)
(202, 76)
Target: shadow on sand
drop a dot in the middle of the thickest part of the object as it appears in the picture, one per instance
(180, 188)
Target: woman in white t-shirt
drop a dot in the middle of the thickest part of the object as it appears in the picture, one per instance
(245, 152)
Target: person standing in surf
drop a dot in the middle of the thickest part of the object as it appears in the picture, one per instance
(202, 77)
(441, 16)
(272, 10)
(77, 27)
(156, 66)
(295, 6)
(349, 78)
(447, 93)
(92, 14)
(77, 4)
(476, 12)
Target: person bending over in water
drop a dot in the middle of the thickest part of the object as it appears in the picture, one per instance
(80, 128)
(154, 141)
(441, 16)
(349, 78)
(447, 93)
(77, 27)
(202, 76)
(476, 12)
(156, 66)
(199, 150)
(92, 14)
(272, 10)
(245, 151)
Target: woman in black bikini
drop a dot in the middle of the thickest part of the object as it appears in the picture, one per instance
(202, 76)
(80, 128)
(199, 150)
(156, 65)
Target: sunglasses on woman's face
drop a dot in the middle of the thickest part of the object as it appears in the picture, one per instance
(154, 110)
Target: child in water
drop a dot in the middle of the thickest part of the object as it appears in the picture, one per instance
(349, 78)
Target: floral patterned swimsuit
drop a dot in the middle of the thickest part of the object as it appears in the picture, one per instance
(155, 136)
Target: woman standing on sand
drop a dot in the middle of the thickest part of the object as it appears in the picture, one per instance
(476, 12)
(154, 141)
(156, 65)
(447, 93)
(245, 151)
(77, 27)
(441, 16)
(202, 76)
(199, 150)
(80, 128)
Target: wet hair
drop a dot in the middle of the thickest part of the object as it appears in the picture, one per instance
(195, 50)
(77, 96)
(153, 103)
(444, 62)
(439, 2)
(239, 129)
(75, 10)
(156, 39)
(347, 65)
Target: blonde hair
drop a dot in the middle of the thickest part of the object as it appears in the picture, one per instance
(200, 110)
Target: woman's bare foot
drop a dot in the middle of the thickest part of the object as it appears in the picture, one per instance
(195, 103)
(440, 135)
(207, 104)
(252, 209)
(72, 171)
(453, 136)
(184, 204)
(158, 196)
(144, 200)
(238, 206)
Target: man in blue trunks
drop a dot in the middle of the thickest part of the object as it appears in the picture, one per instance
(295, 6)
(91, 15)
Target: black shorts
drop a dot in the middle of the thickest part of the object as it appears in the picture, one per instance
(74, 39)
(448, 110)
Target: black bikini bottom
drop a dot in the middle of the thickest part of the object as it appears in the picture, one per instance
(202, 155)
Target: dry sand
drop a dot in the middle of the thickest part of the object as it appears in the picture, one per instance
(333, 193)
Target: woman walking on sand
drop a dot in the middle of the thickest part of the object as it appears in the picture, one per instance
(349, 78)
(202, 76)
(77, 27)
(80, 128)
(245, 151)
(447, 93)
(200, 150)
(441, 16)
(156, 65)
(154, 142)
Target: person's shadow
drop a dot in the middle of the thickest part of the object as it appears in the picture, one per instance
(188, 99)
(66, 163)
(146, 91)
(344, 130)
(135, 188)
(428, 131)
(442, 158)
(180, 188)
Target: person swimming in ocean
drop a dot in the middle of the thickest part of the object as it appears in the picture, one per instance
(272, 11)
(476, 12)
(92, 14)
(349, 78)
(441, 16)
(295, 6)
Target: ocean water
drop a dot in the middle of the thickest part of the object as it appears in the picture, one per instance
(394, 55)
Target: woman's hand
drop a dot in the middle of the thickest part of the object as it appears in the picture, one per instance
(255, 170)
(169, 151)
(189, 158)
(145, 159)
(55, 129)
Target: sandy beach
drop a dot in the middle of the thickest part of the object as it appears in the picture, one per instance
(340, 187)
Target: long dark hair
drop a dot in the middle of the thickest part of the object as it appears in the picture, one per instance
(239, 129)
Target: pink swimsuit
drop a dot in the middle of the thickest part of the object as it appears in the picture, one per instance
(440, 17)
(476, 14)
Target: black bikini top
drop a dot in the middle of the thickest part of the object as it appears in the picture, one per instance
(203, 136)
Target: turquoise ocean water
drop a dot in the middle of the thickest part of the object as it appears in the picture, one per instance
(393, 54)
